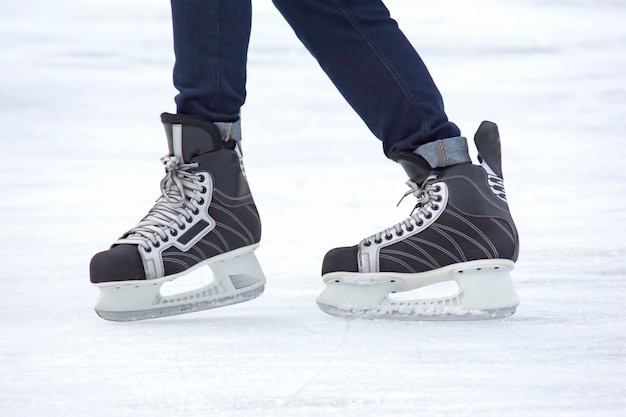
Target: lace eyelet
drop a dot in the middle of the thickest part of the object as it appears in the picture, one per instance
(182, 226)
(201, 202)
(378, 241)
(438, 199)
(420, 223)
(174, 233)
(156, 245)
(195, 213)
(203, 190)
(437, 189)
(388, 237)
(435, 207)
(166, 239)
(428, 216)
(148, 249)
(190, 220)
(410, 229)
(400, 233)
(202, 178)
(367, 243)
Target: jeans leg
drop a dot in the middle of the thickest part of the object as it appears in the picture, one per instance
(211, 45)
(374, 66)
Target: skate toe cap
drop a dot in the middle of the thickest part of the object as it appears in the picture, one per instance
(341, 259)
(120, 263)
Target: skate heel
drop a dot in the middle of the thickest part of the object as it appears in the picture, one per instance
(241, 274)
(237, 277)
(487, 288)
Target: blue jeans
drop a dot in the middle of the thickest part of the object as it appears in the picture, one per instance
(356, 42)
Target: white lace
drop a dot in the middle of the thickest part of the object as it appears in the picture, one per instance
(181, 192)
(426, 203)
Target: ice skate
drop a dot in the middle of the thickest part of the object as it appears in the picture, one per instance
(205, 217)
(460, 230)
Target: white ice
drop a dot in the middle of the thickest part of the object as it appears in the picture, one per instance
(81, 88)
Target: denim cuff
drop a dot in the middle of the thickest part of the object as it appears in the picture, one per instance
(229, 130)
(445, 152)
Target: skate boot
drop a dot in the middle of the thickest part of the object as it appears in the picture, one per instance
(205, 217)
(460, 230)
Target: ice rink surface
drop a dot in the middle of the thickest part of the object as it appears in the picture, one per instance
(82, 86)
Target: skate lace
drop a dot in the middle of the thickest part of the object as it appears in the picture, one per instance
(426, 202)
(181, 192)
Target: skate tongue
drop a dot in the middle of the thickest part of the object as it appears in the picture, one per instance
(188, 136)
(414, 165)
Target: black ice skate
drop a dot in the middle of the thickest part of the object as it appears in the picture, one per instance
(205, 217)
(461, 229)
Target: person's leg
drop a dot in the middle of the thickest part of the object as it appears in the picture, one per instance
(211, 44)
(375, 68)
(206, 215)
(460, 227)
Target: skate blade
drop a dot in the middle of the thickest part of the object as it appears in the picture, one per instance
(180, 308)
(485, 291)
(416, 313)
(237, 278)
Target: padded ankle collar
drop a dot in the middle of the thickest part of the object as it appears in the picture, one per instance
(190, 136)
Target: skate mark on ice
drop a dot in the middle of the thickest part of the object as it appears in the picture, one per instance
(183, 379)
(332, 357)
